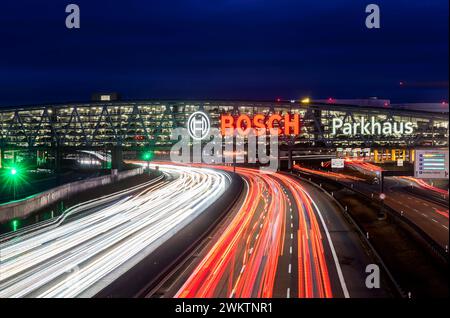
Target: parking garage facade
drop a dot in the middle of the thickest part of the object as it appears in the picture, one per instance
(131, 126)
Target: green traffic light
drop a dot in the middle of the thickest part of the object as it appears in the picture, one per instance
(148, 156)
(13, 171)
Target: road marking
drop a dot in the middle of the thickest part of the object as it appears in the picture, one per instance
(288, 295)
(333, 251)
(242, 269)
(292, 236)
(445, 227)
(435, 220)
(292, 225)
(290, 268)
(290, 250)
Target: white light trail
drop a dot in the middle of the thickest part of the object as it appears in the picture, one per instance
(98, 243)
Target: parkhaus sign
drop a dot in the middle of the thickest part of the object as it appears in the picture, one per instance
(371, 127)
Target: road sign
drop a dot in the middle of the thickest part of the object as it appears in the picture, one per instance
(337, 163)
(431, 164)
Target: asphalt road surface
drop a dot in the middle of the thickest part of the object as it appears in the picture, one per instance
(429, 215)
(287, 239)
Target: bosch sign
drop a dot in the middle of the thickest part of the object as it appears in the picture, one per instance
(260, 124)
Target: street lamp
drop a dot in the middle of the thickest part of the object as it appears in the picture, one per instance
(13, 173)
(381, 215)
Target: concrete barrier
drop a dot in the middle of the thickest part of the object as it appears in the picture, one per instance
(25, 207)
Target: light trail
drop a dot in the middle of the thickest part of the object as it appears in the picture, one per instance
(422, 184)
(363, 165)
(244, 261)
(68, 259)
(328, 174)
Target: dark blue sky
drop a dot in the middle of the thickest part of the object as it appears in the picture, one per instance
(243, 49)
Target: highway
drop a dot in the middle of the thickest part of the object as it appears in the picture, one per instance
(414, 199)
(78, 254)
(287, 239)
(429, 215)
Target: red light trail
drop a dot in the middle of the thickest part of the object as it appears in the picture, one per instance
(243, 262)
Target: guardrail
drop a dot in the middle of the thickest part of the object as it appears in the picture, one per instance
(25, 207)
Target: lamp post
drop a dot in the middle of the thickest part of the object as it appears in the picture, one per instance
(13, 174)
(234, 161)
(382, 215)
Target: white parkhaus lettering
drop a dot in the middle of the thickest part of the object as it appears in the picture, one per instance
(371, 127)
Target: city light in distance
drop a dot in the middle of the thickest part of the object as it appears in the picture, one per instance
(306, 100)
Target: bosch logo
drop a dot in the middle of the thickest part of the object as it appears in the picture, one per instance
(199, 125)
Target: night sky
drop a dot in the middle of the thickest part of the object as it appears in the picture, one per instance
(230, 49)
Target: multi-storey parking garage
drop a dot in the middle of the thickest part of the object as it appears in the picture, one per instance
(131, 125)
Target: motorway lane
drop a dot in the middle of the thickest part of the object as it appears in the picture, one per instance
(429, 216)
(424, 186)
(279, 245)
(239, 263)
(352, 256)
(73, 258)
